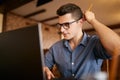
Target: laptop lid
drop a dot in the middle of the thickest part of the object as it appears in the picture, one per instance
(21, 54)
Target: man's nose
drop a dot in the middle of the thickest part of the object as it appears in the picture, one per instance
(62, 29)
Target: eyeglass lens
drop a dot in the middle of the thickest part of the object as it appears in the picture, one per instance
(64, 25)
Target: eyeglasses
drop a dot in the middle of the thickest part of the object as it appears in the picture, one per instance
(65, 25)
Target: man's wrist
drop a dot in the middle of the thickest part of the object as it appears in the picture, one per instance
(46, 69)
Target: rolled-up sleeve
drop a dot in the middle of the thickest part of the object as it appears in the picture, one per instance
(100, 51)
(48, 59)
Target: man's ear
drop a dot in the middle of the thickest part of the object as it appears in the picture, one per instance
(82, 20)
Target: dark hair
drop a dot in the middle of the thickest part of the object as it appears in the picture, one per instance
(70, 8)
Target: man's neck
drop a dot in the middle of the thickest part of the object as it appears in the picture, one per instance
(75, 41)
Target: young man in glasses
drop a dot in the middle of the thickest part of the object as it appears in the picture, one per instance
(79, 55)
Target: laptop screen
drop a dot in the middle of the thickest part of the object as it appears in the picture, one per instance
(21, 54)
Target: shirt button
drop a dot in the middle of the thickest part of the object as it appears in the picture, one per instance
(72, 63)
(72, 74)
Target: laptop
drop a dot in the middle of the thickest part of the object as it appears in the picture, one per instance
(21, 54)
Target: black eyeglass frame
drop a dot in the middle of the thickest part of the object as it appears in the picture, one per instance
(66, 25)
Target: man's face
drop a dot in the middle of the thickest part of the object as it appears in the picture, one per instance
(69, 27)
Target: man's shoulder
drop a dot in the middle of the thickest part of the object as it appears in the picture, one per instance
(92, 36)
(58, 43)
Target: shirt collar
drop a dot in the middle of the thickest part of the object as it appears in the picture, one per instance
(84, 39)
(82, 42)
(66, 43)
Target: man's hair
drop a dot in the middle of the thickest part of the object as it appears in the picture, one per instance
(70, 8)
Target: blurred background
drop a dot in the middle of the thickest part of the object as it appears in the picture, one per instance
(107, 11)
(15, 14)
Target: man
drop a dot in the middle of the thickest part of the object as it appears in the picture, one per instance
(79, 54)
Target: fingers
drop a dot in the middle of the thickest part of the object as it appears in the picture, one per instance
(50, 75)
(89, 16)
